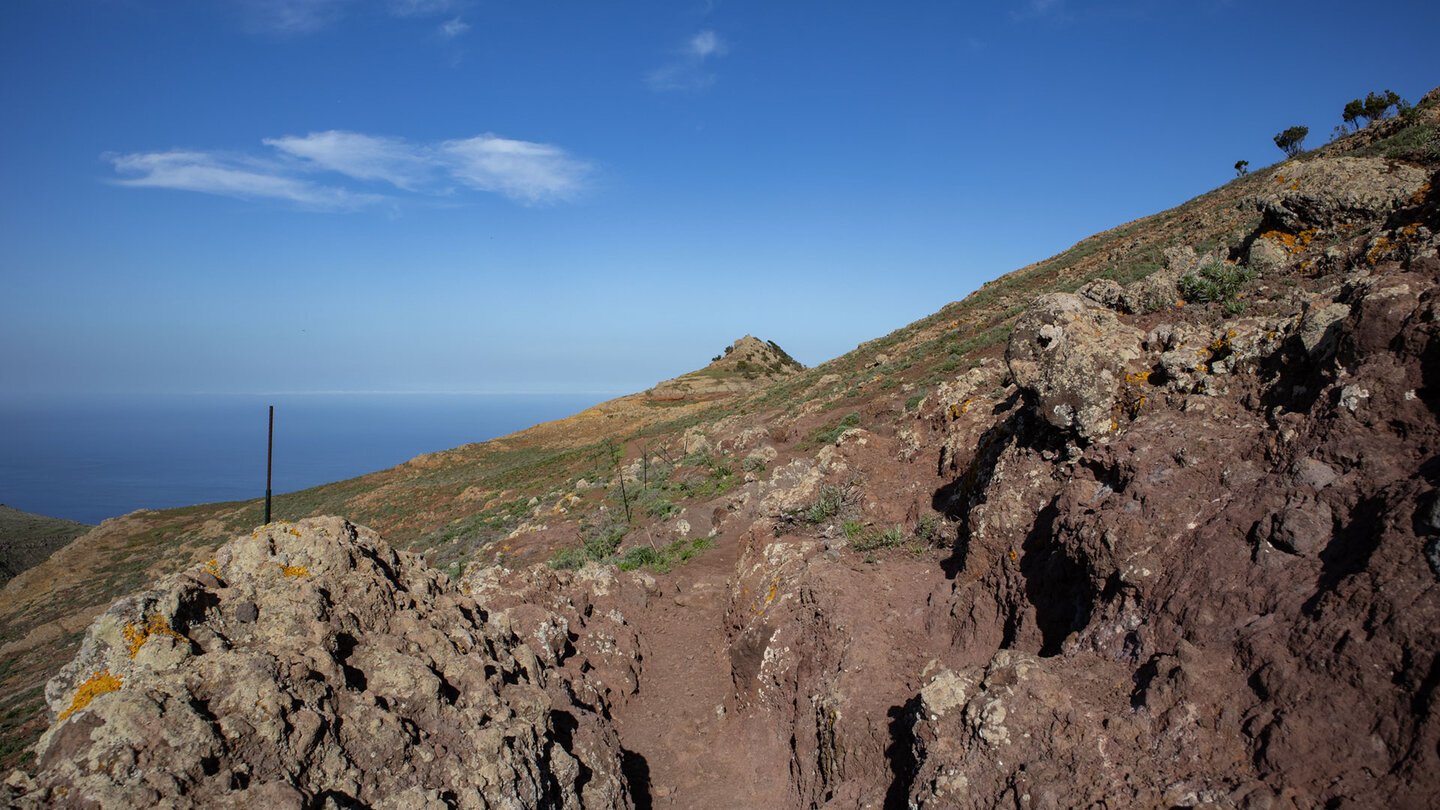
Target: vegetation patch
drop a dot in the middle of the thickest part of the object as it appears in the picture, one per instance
(867, 538)
(664, 559)
(829, 434)
(1217, 282)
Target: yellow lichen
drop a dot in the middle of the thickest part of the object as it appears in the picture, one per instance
(138, 634)
(295, 571)
(213, 566)
(97, 684)
(1293, 242)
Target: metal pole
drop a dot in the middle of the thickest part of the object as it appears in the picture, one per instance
(269, 457)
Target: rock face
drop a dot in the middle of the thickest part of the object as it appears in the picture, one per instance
(1070, 354)
(1334, 191)
(310, 665)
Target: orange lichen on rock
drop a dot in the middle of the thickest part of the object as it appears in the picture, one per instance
(138, 634)
(1293, 242)
(295, 571)
(97, 684)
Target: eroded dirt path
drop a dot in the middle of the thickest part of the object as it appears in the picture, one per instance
(686, 746)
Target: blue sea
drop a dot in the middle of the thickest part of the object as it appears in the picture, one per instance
(92, 458)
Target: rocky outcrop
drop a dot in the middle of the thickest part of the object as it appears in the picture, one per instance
(746, 365)
(310, 665)
(1070, 356)
(1326, 192)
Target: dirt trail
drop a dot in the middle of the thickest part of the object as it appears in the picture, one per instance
(683, 739)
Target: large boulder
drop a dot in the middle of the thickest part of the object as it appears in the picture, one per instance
(311, 665)
(1070, 355)
(1330, 191)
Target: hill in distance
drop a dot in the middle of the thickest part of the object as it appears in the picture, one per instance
(27, 539)
(1152, 522)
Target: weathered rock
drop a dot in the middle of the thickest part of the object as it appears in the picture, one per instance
(1331, 191)
(1319, 330)
(1303, 526)
(1070, 356)
(327, 670)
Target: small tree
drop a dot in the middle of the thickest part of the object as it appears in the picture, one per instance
(1377, 105)
(1292, 140)
(1242, 168)
(1354, 111)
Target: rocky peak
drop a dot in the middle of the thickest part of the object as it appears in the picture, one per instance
(745, 365)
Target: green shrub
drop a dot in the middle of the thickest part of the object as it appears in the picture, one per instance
(676, 553)
(1216, 281)
(640, 556)
(827, 504)
(868, 539)
(1292, 140)
(600, 540)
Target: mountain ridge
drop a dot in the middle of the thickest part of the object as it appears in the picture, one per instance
(857, 553)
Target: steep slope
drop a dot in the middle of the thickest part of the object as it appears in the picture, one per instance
(1150, 523)
(27, 539)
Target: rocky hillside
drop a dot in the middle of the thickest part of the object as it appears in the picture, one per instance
(1152, 523)
(27, 539)
(746, 365)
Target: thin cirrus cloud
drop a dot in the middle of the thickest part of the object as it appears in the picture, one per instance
(451, 29)
(308, 16)
(523, 171)
(690, 68)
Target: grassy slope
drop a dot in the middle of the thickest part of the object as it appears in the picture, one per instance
(464, 503)
(26, 539)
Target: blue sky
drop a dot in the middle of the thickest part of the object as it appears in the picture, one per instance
(488, 196)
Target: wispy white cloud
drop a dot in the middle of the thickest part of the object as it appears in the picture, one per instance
(1031, 9)
(527, 172)
(306, 16)
(690, 69)
(521, 170)
(420, 8)
(363, 157)
(451, 29)
(291, 16)
(212, 173)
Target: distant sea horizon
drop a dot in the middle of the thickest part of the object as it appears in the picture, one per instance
(88, 457)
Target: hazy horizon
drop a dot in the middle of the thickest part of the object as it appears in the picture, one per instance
(447, 195)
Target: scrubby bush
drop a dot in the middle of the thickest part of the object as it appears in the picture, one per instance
(1292, 140)
(863, 538)
(1242, 168)
(1216, 282)
(827, 504)
(1375, 107)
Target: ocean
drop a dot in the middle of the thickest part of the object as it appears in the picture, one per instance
(92, 458)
